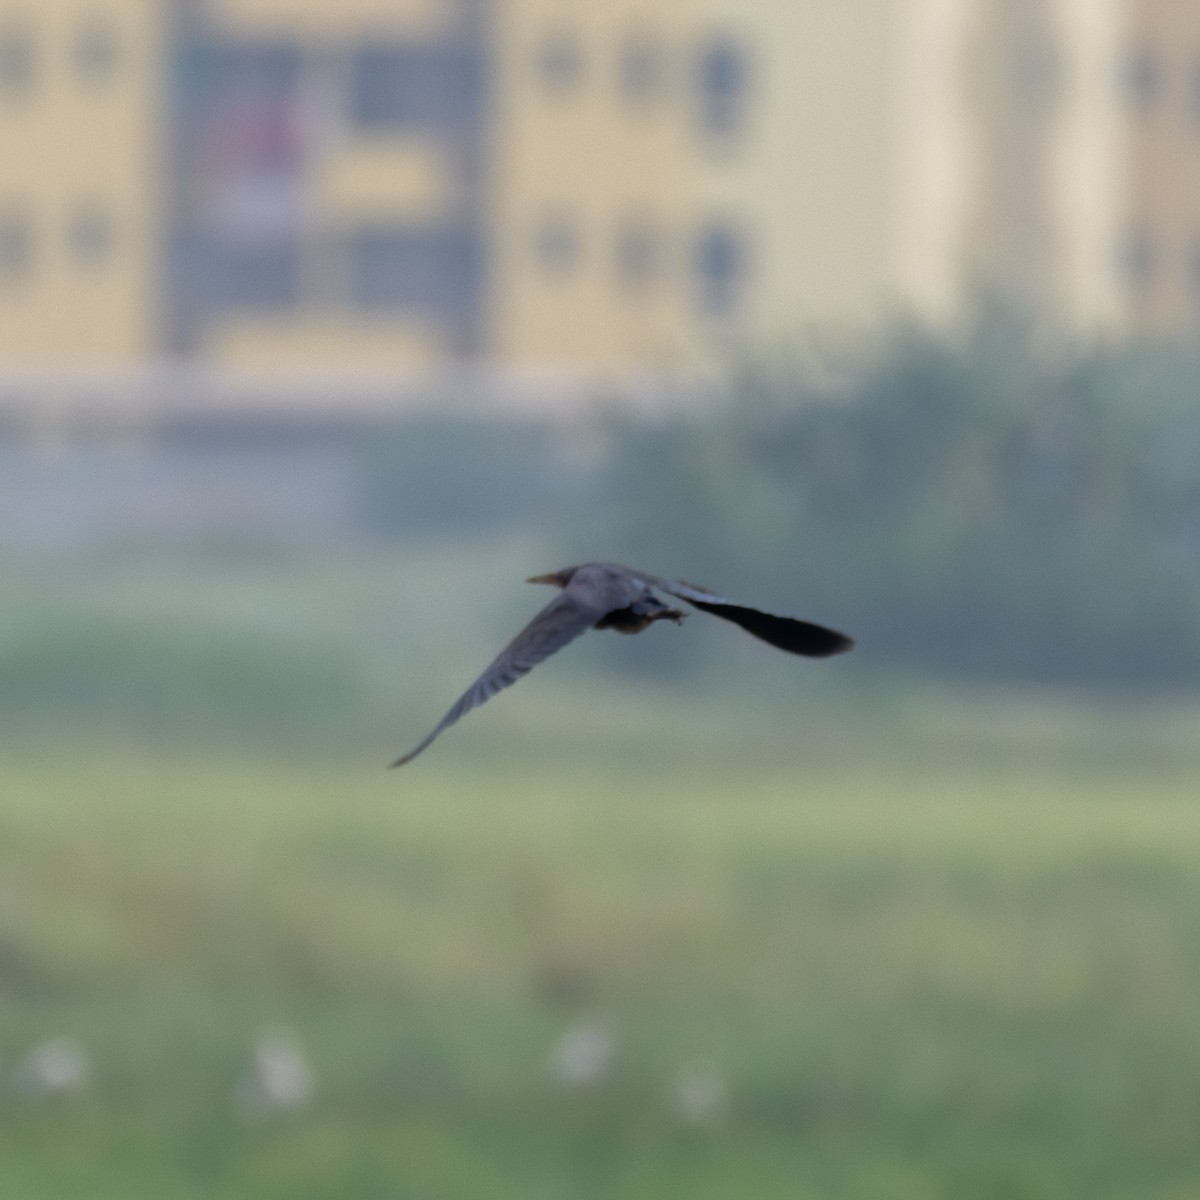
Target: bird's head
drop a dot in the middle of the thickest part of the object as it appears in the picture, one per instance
(557, 578)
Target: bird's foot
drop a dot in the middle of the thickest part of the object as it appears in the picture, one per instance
(639, 616)
(662, 613)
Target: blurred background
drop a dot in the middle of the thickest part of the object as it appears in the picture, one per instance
(324, 325)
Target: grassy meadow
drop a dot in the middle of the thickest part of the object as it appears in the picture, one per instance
(911, 944)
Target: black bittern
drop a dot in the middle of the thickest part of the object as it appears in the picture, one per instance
(609, 596)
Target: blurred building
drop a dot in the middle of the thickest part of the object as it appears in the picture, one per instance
(404, 184)
(329, 183)
(592, 206)
(1159, 192)
(1051, 158)
(806, 152)
(390, 186)
(81, 164)
(1084, 198)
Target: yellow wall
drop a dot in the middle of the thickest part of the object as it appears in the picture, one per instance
(587, 153)
(377, 179)
(69, 145)
(365, 345)
(1089, 175)
(1162, 194)
(329, 18)
(815, 178)
(814, 185)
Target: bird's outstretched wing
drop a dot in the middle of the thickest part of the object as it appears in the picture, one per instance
(561, 621)
(787, 633)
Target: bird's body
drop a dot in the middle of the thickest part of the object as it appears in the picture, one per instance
(610, 596)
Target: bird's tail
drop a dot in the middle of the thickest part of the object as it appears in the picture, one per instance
(787, 633)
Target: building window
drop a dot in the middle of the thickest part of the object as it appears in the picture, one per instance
(435, 87)
(641, 66)
(410, 269)
(557, 245)
(720, 270)
(16, 63)
(1194, 275)
(220, 71)
(723, 84)
(96, 53)
(16, 247)
(1037, 76)
(1136, 259)
(637, 255)
(560, 61)
(240, 273)
(91, 237)
(1141, 78)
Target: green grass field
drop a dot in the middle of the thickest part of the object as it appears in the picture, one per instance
(952, 952)
(919, 945)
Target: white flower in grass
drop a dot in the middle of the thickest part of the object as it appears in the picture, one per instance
(56, 1067)
(700, 1097)
(583, 1056)
(280, 1077)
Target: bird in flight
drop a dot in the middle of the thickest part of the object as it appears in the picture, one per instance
(609, 596)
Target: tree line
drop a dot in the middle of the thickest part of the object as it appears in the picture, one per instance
(995, 506)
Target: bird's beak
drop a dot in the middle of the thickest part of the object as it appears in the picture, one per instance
(554, 577)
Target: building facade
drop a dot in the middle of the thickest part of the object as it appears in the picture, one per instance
(593, 205)
(1160, 197)
(1084, 196)
(81, 164)
(392, 186)
(329, 183)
